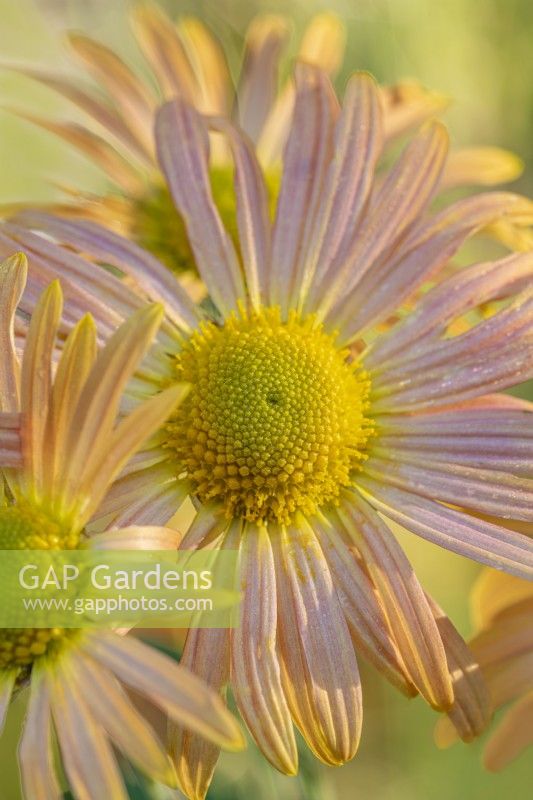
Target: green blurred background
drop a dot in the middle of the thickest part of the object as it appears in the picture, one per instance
(477, 52)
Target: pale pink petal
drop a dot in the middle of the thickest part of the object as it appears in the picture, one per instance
(430, 474)
(111, 707)
(36, 754)
(129, 95)
(36, 383)
(208, 61)
(472, 710)
(207, 526)
(206, 654)
(410, 618)
(358, 142)
(80, 279)
(183, 152)
(258, 83)
(158, 38)
(86, 753)
(252, 212)
(10, 440)
(94, 419)
(177, 691)
(255, 671)
(469, 536)
(97, 108)
(308, 152)
(154, 281)
(452, 298)
(102, 467)
(403, 196)
(319, 668)
(495, 354)
(148, 495)
(396, 277)
(99, 150)
(489, 445)
(360, 603)
(322, 45)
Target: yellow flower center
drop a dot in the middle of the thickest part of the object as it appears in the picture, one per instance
(24, 527)
(158, 227)
(275, 419)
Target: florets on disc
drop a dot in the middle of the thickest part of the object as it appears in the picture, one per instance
(275, 419)
(25, 527)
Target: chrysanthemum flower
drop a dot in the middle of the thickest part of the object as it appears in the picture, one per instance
(309, 423)
(70, 451)
(186, 60)
(502, 608)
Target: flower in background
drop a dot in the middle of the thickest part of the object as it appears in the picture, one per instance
(187, 60)
(325, 401)
(502, 608)
(62, 448)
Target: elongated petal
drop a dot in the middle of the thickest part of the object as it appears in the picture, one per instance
(469, 536)
(410, 618)
(137, 538)
(447, 301)
(77, 358)
(114, 711)
(86, 753)
(10, 440)
(322, 46)
(209, 64)
(36, 380)
(482, 166)
(13, 274)
(495, 354)
(7, 684)
(152, 278)
(307, 155)
(91, 144)
(493, 593)
(183, 152)
(471, 711)
(252, 213)
(180, 693)
(360, 603)
(402, 197)
(97, 108)
(256, 677)
(319, 669)
(88, 290)
(36, 755)
(155, 501)
(129, 95)
(512, 736)
(460, 292)
(105, 463)
(489, 491)
(358, 142)
(97, 408)
(207, 655)
(258, 84)
(407, 105)
(159, 40)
